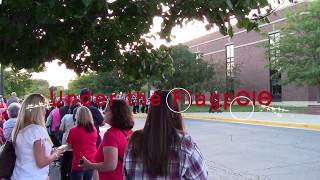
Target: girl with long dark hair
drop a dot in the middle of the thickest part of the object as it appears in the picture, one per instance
(162, 149)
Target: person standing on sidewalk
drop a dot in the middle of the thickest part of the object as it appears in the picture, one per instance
(148, 105)
(13, 99)
(162, 149)
(53, 123)
(8, 126)
(82, 138)
(67, 123)
(133, 100)
(143, 104)
(33, 147)
(109, 157)
(216, 103)
(3, 111)
(85, 95)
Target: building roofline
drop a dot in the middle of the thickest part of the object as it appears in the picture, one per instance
(241, 31)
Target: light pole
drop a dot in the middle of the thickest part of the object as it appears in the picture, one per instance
(1, 74)
(1, 79)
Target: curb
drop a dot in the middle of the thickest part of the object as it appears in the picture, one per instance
(315, 127)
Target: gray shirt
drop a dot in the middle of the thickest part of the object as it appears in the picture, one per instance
(67, 123)
(8, 127)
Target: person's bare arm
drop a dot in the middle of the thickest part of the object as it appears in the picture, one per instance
(39, 152)
(61, 128)
(110, 160)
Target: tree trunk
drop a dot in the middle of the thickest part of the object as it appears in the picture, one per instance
(148, 89)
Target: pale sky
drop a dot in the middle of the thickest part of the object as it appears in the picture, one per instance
(56, 75)
(60, 76)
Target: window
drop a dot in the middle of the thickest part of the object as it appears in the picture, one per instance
(274, 42)
(230, 60)
(275, 86)
(230, 66)
(275, 75)
(199, 55)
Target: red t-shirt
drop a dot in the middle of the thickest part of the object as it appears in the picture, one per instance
(116, 138)
(83, 144)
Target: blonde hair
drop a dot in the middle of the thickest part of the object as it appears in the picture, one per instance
(84, 118)
(32, 112)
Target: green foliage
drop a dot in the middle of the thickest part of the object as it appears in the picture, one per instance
(299, 47)
(20, 82)
(190, 71)
(237, 108)
(156, 65)
(39, 86)
(102, 35)
(153, 65)
(104, 82)
(16, 81)
(87, 80)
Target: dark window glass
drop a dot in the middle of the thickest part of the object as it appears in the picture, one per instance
(275, 75)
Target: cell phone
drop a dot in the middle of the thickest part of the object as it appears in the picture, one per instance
(81, 161)
(62, 147)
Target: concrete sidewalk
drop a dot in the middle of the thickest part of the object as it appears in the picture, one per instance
(303, 121)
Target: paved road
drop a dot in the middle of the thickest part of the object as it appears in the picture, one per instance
(266, 116)
(249, 152)
(239, 151)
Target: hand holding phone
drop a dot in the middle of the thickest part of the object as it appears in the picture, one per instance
(81, 161)
(62, 147)
(85, 164)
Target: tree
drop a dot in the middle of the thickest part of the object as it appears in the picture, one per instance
(190, 72)
(297, 55)
(16, 81)
(20, 82)
(104, 82)
(86, 80)
(39, 86)
(102, 35)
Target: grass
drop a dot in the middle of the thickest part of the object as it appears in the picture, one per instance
(236, 108)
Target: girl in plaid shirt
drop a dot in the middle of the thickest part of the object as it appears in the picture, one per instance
(162, 150)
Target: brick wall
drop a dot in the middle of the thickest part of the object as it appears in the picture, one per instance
(250, 55)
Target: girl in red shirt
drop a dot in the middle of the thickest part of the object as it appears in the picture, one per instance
(110, 153)
(82, 139)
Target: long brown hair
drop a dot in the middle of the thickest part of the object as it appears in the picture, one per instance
(121, 115)
(156, 144)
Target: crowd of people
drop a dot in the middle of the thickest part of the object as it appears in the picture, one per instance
(68, 136)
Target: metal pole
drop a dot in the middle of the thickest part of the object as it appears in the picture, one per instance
(1, 80)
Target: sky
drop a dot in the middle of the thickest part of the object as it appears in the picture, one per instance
(60, 76)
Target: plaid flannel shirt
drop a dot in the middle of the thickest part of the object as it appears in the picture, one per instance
(191, 164)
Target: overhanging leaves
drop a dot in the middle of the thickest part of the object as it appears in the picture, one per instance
(98, 34)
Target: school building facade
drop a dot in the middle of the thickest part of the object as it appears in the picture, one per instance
(246, 54)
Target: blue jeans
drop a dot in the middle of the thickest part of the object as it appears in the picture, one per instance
(77, 175)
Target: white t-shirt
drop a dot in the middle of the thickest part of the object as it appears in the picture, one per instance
(26, 167)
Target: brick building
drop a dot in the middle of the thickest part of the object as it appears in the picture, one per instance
(246, 55)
